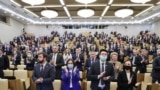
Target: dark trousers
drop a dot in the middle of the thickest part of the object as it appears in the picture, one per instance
(154, 80)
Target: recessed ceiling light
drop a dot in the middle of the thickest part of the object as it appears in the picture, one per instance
(34, 2)
(140, 1)
(123, 13)
(85, 13)
(85, 1)
(49, 13)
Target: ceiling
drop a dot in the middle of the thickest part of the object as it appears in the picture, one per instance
(104, 11)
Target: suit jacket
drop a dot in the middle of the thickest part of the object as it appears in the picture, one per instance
(18, 58)
(48, 76)
(156, 68)
(59, 64)
(78, 64)
(66, 80)
(95, 71)
(140, 66)
(123, 81)
(89, 63)
(1, 67)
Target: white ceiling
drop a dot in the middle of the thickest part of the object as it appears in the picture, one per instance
(151, 13)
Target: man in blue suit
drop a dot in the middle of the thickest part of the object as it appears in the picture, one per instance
(44, 73)
(78, 58)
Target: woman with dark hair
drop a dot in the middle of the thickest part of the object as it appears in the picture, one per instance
(70, 77)
(127, 78)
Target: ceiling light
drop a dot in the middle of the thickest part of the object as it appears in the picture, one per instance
(85, 13)
(123, 13)
(85, 1)
(140, 1)
(34, 2)
(49, 13)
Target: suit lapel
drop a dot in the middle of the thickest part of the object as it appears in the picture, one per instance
(98, 67)
(125, 75)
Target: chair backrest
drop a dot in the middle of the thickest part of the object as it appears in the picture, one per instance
(81, 74)
(21, 74)
(149, 70)
(113, 86)
(143, 86)
(8, 72)
(147, 78)
(88, 85)
(57, 84)
(21, 67)
(3, 84)
(149, 66)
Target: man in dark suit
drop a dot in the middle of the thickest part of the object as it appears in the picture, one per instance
(44, 73)
(4, 61)
(90, 60)
(78, 58)
(156, 68)
(141, 61)
(16, 56)
(101, 73)
(57, 60)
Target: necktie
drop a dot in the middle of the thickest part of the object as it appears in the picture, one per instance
(41, 70)
(92, 60)
(102, 67)
(102, 82)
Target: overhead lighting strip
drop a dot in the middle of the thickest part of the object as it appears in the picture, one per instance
(65, 9)
(90, 5)
(42, 6)
(132, 4)
(144, 11)
(106, 9)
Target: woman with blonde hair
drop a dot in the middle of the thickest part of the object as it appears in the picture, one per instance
(117, 65)
(67, 55)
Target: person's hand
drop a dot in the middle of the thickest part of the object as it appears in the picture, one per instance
(75, 68)
(117, 67)
(137, 84)
(101, 75)
(75, 60)
(52, 62)
(106, 78)
(41, 79)
(146, 61)
(65, 68)
(38, 80)
(156, 82)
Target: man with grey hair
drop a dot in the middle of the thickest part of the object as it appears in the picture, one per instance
(92, 58)
(141, 61)
(156, 54)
